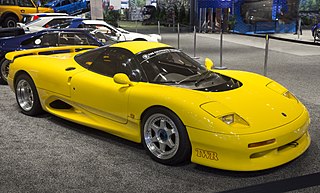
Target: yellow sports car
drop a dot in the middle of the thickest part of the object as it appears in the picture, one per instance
(154, 94)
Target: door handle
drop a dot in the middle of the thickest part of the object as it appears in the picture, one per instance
(70, 68)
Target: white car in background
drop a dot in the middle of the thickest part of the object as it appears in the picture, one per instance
(27, 18)
(44, 22)
(118, 34)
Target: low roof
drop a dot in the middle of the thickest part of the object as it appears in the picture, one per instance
(139, 46)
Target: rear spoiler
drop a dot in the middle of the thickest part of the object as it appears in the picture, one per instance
(46, 51)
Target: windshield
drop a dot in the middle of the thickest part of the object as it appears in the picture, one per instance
(173, 67)
(102, 37)
(169, 65)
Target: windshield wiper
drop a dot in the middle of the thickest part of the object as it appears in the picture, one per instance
(202, 78)
(187, 78)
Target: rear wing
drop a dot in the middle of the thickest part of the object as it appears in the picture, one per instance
(46, 51)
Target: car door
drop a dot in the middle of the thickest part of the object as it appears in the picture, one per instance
(27, 6)
(95, 90)
(66, 6)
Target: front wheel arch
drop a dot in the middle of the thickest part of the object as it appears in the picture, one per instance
(139, 39)
(7, 15)
(183, 152)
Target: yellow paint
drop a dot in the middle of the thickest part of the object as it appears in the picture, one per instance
(116, 105)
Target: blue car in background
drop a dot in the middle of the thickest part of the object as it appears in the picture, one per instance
(47, 38)
(71, 7)
(316, 32)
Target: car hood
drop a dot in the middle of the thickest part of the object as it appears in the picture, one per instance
(134, 35)
(259, 101)
(45, 9)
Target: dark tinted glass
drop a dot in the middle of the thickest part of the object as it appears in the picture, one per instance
(110, 61)
(169, 65)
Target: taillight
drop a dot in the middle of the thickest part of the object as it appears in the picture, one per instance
(35, 17)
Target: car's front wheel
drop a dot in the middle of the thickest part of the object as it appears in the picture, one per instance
(165, 137)
(4, 71)
(27, 95)
(10, 22)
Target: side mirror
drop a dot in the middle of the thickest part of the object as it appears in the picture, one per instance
(208, 63)
(122, 78)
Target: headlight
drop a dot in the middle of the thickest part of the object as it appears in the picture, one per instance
(228, 119)
(281, 90)
(223, 113)
(289, 95)
(234, 120)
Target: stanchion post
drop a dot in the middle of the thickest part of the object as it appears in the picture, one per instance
(299, 28)
(221, 67)
(173, 23)
(221, 41)
(178, 35)
(159, 27)
(194, 42)
(266, 56)
(136, 25)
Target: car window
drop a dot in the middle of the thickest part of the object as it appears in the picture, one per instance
(65, 2)
(25, 3)
(54, 22)
(75, 39)
(102, 37)
(110, 61)
(87, 58)
(168, 65)
(50, 39)
(8, 2)
(105, 29)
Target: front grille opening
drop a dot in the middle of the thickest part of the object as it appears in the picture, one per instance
(290, 145)
(260, 154)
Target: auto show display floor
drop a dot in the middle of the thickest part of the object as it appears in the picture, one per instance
(49, 154)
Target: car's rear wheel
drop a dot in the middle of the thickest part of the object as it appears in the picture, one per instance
(165, 137)
(4, 71)
(27, 95)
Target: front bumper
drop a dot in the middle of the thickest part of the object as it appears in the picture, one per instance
(231, 152)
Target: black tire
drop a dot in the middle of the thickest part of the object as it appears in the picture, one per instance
(181, 150)
(4, 70)
(27, 95)
(10, 21)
